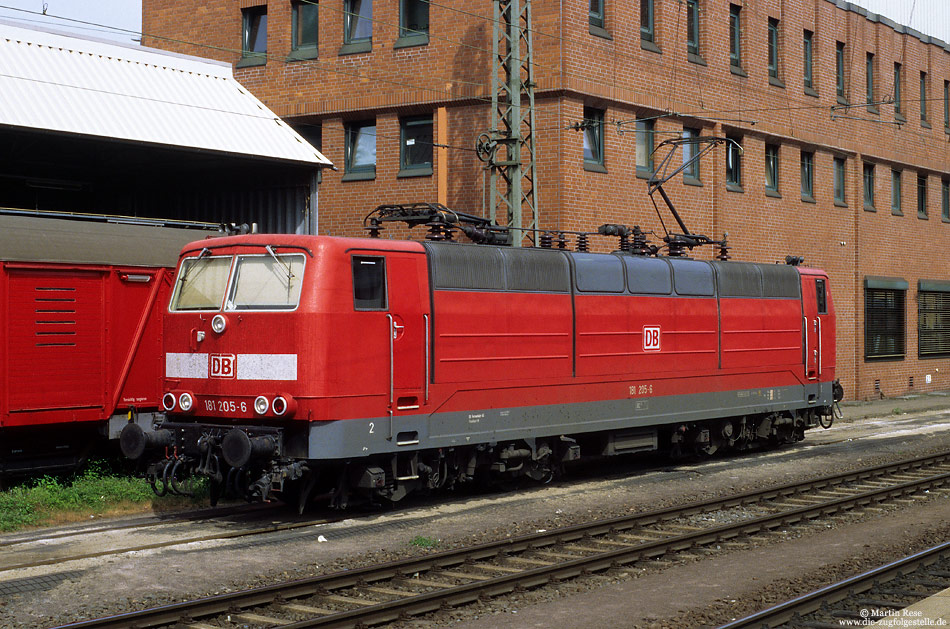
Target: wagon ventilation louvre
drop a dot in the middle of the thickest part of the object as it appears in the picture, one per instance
(56, 301)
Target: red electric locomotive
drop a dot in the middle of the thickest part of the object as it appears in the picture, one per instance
(81, 306)
(379, 367)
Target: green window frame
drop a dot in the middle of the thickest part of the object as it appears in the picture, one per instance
(884, 319)
(735, 36)
(808, 62)
(896, 194)
(945, 200)
(357, 21)
(839, 180)
(921, 196)
(360, 150)
(898, 75)
(808, 175)
(734, 162)
(415, 146)
(595, 14)
(692, 27)
(647, 24)
(413, 23)
(773, 51)
(933, 319)
(771, 167)
(304, 30)
(645, 135)
(690, 148)
(593, 128)
(868, 177)
(839, 70)
(254, 35)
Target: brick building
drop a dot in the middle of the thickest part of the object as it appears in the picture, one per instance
(843, 117)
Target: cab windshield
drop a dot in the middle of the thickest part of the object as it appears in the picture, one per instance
(201, 283)
(266, 282)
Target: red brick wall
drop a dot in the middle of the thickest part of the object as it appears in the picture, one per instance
(574, 68)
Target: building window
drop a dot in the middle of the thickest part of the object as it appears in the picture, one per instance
(946, 104)
(869, 186)
(735, 35)
(896, 194)
(360, 157)
(809, 61)
(357, 21)
(897, 90)
(413, 22)
(923, 97)
(945, 199)
(645, 147)
(808, 176)
(869, 71)
(839, 181)
(839, 70)
(921, 196)
(933, 323)
(304, 27)
(734, 162)
(593, 138)
(773, 48)
(647, 33)
(690, 150)
(415, 142)
(883, 323)
(771, 168)
(692, 27)
(255, 32)
(596, 14)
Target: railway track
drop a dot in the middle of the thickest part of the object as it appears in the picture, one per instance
(8, 548)
(882, 593)
(383, 593)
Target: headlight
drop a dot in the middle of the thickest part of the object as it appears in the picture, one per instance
(261, 405)
(168, 401)
(219, 323)
(185, 402)
(280, 405)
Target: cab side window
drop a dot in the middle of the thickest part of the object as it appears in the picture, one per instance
(369, 283)
(820, 296)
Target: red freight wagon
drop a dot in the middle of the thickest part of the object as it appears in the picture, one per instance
(81, 306)
(379, 367)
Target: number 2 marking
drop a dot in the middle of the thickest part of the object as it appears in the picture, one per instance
(372, 427)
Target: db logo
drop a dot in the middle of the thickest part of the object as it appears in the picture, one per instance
(651, 338)
(222, 365)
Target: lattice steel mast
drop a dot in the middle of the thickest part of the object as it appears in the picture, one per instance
(509, 147)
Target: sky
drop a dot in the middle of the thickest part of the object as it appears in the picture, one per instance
(928, 16)
(121, 14)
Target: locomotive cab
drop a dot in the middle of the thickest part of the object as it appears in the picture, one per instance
(265, 335)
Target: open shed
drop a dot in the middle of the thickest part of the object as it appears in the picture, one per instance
(89, 126)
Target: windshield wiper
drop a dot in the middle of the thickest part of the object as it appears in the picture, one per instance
(204, 252)
(290, 274)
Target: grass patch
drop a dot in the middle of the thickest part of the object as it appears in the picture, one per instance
(96, 491)
(424, 542)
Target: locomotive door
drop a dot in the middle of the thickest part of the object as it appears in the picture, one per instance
(408, 316)
(814, 308)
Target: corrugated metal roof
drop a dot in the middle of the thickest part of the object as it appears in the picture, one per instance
(68, 84)
(32, 239)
